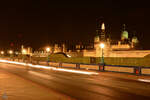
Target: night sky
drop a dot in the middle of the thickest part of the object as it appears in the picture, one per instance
(37, 22)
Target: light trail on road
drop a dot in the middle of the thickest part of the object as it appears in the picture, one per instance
(50, 67)
(144, 80)
(105, 86)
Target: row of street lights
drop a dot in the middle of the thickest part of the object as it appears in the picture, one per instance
(10, 52)
(102, 45)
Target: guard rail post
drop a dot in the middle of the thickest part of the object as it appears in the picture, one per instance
(101, 67)
(47, 63)
(137, 70)
(60, 64)
(78, 66)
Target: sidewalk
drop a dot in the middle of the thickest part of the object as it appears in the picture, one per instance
(13, 87)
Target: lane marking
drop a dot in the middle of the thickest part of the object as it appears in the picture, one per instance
(50, 67)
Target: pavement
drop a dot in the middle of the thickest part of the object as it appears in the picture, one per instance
(13, 87)
(101, 86)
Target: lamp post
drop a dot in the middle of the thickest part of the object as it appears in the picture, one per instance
(102, 45)
(11, 52)
(2, 53)
(48, 58)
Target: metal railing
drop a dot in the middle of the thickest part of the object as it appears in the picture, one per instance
(136, 70)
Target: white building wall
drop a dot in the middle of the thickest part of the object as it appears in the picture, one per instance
(135, 53)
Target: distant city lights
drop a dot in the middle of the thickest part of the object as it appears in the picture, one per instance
(10, 52)
(2, 52)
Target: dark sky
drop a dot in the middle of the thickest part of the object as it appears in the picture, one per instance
(35, 22)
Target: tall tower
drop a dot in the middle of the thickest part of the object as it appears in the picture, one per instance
(102, 34)
(98, 30)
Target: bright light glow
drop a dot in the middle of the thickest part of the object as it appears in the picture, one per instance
(102, 45)
(69, 56)
(48, 49)
(103, 26)
(24, 51)
(76, 71)
(2, 52)
(52, 68)
(143, 80)
(10, 51)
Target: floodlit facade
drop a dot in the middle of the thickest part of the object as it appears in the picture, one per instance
(125, 47)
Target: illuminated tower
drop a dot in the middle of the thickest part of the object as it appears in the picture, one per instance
(102, 34)
(97, 37)
(98, 29)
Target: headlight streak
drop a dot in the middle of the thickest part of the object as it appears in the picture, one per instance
(48, 67)
(144, 80)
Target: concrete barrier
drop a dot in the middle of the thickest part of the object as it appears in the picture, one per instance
(34, 62)
(55, 64)
(68, 65)
(15, 59)
(95, 67)
(43, 63)
(119, 69)
(145, 71)
(20, 60)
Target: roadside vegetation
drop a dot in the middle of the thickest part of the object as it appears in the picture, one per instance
(95, 60)
(92, 60)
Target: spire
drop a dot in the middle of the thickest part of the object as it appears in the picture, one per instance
(102, 35)
(103, 26)
(124, 27)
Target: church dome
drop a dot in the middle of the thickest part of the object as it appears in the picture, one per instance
(124, 35)
(135, 39)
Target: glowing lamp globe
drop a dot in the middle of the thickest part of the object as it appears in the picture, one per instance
(102, 45)
(48, 49)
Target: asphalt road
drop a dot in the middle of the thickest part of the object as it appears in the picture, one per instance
(104, 86)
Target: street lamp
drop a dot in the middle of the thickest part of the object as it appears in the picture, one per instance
(102, 45)
(47, 49)
(2, 52)
(10, 52)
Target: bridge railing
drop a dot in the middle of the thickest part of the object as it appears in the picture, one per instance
(137, 70)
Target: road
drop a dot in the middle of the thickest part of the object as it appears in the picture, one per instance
(104, 86)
